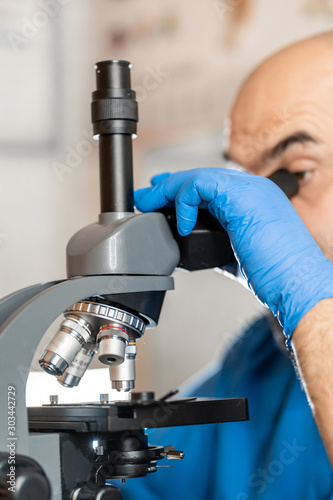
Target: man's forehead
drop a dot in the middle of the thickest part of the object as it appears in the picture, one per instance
(244, 145)
(262, 131)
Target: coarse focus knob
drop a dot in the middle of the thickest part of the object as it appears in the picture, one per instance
(93, 491)
(26, 481)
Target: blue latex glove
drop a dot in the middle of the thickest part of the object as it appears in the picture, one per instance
(276, 253)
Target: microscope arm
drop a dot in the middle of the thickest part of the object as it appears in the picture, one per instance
(12, 302)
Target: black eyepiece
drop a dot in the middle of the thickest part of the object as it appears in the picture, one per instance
(114, 116)
(113, 75)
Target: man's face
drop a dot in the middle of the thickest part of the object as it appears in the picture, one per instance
(293, 132)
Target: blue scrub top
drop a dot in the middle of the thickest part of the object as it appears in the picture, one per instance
(276, 455)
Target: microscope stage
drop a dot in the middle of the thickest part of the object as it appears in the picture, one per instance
(121, 416)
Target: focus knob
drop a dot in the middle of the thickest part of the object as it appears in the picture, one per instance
(93, 491)
(23, 479)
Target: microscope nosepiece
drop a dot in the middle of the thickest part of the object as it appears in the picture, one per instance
(90, 326)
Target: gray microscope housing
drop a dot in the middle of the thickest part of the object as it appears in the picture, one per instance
(121, 263)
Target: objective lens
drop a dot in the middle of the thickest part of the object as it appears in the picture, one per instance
(78, 367)
(73, 333)
(123, 376)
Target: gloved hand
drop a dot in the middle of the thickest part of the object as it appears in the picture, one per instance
(279, 258)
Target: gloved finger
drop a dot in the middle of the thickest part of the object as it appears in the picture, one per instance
(139, 194)
(198, 191)
(163, 193)
(154, 198)
(159, 178)
(186, 218)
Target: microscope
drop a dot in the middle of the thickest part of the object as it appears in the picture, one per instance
(118, 271)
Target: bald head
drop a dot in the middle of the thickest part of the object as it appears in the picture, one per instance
(283, 118)
(281, 88)
(301, 63)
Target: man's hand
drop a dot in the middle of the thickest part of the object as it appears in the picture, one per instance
(276, 253)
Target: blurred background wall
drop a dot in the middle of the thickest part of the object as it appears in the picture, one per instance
(189, 57)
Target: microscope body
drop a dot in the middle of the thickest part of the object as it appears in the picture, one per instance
(118, 272)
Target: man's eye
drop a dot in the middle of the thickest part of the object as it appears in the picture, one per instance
(302, 176)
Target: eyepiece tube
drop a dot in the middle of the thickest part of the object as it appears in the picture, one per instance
(114, 118)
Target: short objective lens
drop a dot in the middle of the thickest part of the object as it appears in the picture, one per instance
(112, 341)
(123, 376)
